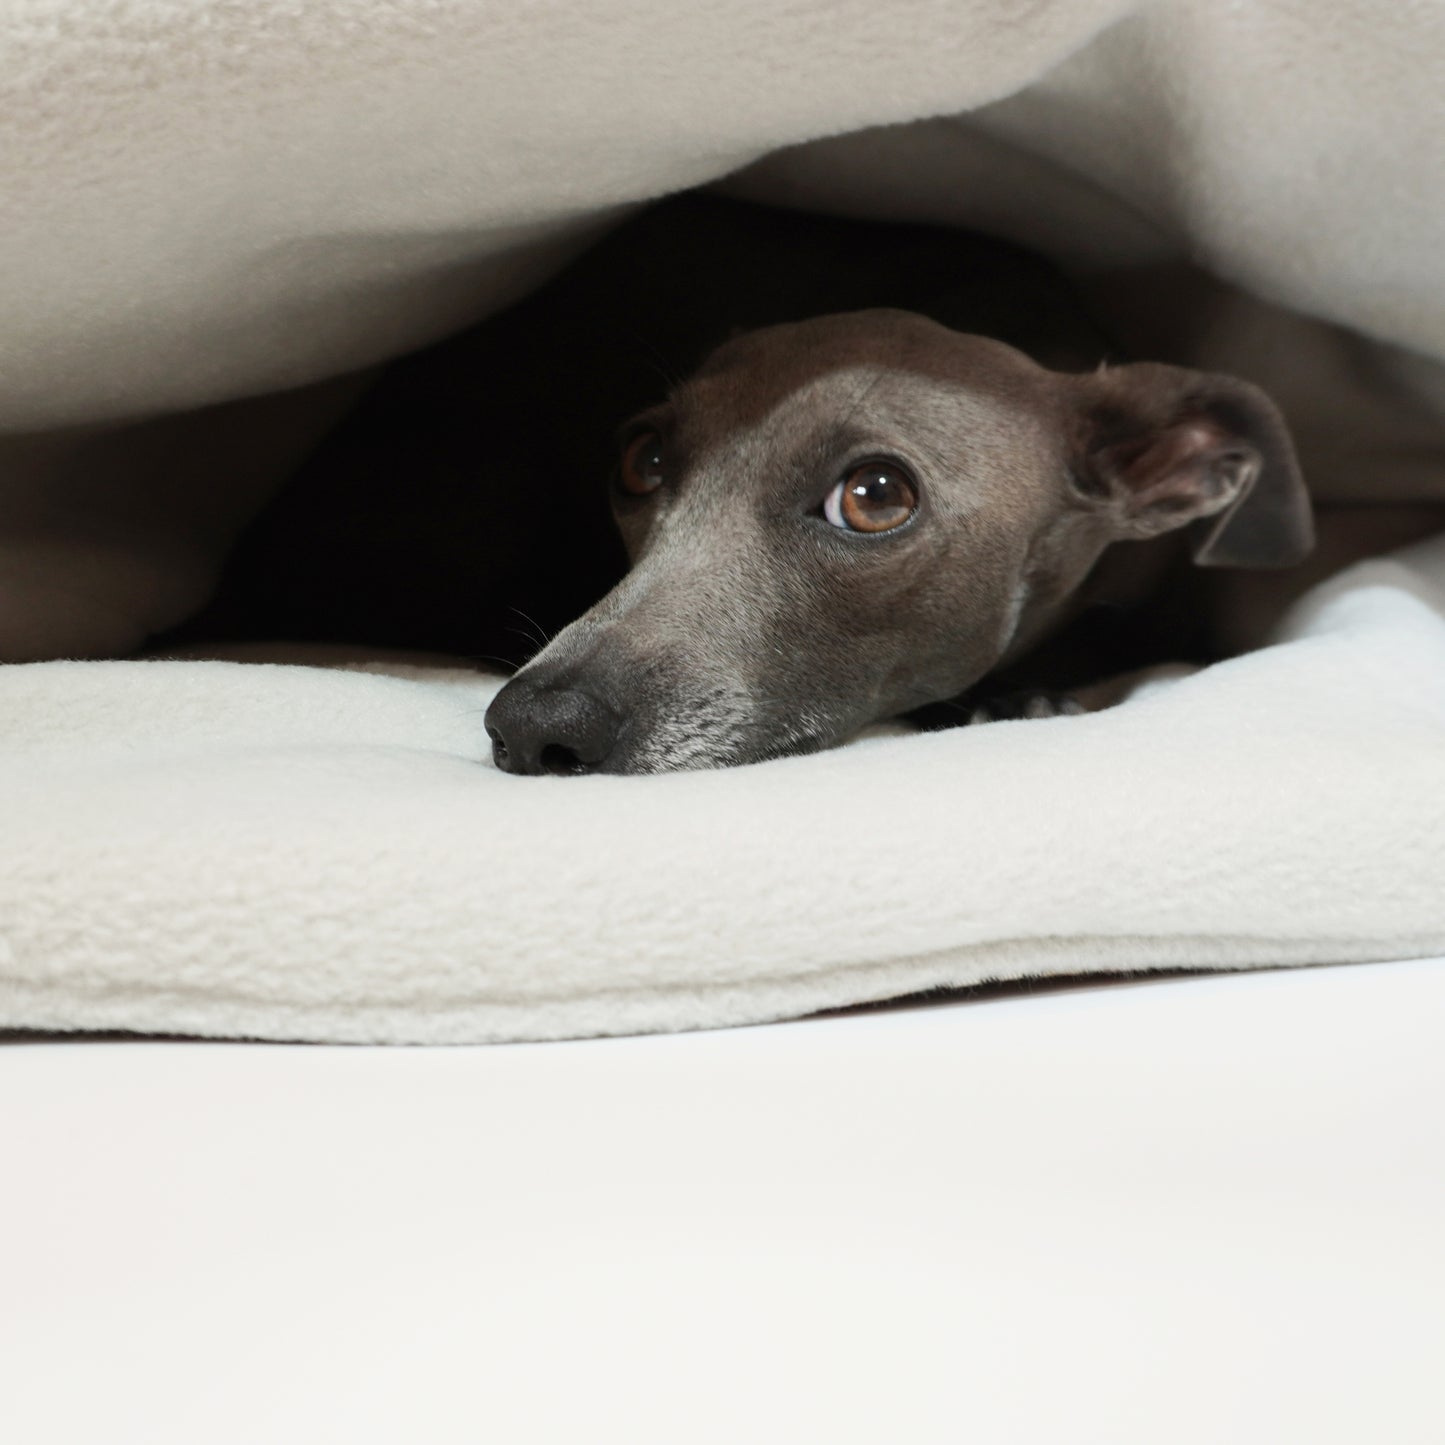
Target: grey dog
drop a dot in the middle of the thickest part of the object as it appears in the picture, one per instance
(847, 518)
(899, 470)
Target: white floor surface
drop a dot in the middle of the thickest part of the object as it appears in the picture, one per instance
(1174, 1211)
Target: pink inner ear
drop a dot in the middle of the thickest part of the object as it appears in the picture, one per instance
(1183, 469)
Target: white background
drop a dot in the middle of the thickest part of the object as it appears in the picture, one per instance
(1172, 1211)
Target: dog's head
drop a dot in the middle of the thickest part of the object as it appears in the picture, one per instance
(840, 520)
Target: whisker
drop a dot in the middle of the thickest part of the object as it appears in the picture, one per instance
(539, 630)
(536, 646)
(528, 617)
(659, 363)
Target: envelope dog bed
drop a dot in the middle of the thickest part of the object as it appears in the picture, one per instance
(217, 216)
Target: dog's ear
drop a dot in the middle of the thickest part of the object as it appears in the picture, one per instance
(1161, 447)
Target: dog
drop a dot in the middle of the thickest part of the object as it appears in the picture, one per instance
(899, 471)
(853, 517)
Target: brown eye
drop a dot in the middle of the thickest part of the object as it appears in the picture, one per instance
(876, 497)
(642, 464)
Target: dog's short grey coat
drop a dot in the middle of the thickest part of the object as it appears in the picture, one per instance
(750, 627)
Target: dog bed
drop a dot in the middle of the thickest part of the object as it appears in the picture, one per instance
(214, 216)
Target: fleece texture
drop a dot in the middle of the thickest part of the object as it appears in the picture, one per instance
(301, 852)
(213, 216)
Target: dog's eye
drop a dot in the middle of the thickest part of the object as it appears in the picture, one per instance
(876, 497)
(642, 464)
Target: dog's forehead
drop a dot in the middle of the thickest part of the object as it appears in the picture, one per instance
(854, 367)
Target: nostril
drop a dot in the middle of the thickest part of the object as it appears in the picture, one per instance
(561, 762)
(499, 747)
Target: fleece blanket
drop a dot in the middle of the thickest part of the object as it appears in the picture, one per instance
(296, 852)
(213, 216)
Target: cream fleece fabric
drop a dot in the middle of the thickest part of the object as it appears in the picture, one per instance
(203, 203)
(296, 852)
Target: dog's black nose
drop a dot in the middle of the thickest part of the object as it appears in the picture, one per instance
(549, 729)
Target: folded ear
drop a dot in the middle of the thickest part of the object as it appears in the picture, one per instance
(1161, 448)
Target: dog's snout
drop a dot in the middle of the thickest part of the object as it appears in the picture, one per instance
(550, 729)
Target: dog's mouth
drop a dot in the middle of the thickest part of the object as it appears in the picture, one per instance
(702, 752)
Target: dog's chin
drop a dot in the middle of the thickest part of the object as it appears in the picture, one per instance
(671, 752)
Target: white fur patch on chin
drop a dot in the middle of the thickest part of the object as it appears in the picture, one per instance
(714, 751)
(1014, 615)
